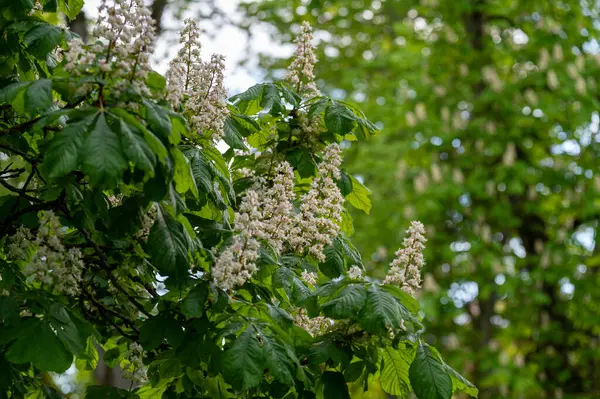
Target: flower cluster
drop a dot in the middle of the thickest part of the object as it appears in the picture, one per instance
(405, 269)
(300, 73)
(309, 277)
(135, 370)
(278, 207)
(315, 326)
(236, 264)
(301, 77)
(318, 222)
(197, 85)
(46, 259)
(268, 214)
(355, 273)
(123, 42)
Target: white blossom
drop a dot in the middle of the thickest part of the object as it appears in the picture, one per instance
(300, 73)
(355, 273)
(198, 85)
(318, 222)
(134, 369)
(44, 257)
(123, 41)
(315, 326)
(309, 277)
(236, 263)
(405, 269)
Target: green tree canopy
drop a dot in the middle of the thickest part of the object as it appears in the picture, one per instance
(202, 273)
(489, 112)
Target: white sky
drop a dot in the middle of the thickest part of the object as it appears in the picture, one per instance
(226, 40)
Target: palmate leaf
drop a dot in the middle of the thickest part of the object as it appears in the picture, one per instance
(360, 196)
(102, 155)
(347, 304)
(70, 7)
(42, 39)
(159, 329)
(244, 363)
(277, 359)
(381, 310)
(394, 374)
(168, 245)
(136, 149)
(460, 383)
(428, 376)
(338, 118)
(62, 155)
(37, 344)
(334, 385)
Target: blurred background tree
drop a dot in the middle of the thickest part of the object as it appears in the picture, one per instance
(490, 126)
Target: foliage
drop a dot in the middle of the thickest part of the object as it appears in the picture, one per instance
(489, 117)
(114, 213)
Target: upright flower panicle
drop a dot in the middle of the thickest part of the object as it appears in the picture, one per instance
(318, 222)
(405, 269)
(237, 263)
(135, 370)
(46, 260)
(197, 85)
(123, 38)
(278, 207)
(300, 73)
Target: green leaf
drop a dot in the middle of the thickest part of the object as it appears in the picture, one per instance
(156, 81)
(37, 344)
(347, 304)
(249, 101)
(334, 385)
(102, 156)
(102, 392)
(232, 133)
(277, 359)
(88, 360)
(152, 391)
(66, 330)
(323, 351)
(42, 39)
(62, 155)
(360, 196)
(9, 311)
(38, 96)
(353, 371)
(301, 159)
(408, 301)
(345, 184)
(289, 94)
(138, 128)
(194, 302)
(334, 261)
(243, 363)
(271, 100)
(381, 310)
(70, 7)
(136, 149)
(9, 93)
(460, 383)
(159, 328)
(428, 376)
(160, 123)
(168, 245)
(200, 169)
(338, 118)
(184, 179)
(394, 374)
(318, 107)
